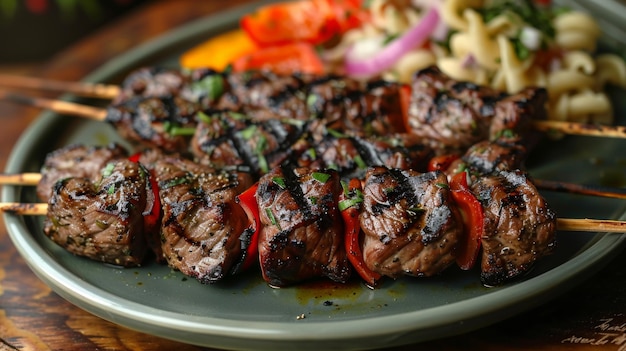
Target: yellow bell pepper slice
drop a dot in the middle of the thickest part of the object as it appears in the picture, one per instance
(218, 52)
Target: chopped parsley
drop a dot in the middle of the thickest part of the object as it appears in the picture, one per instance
(320, 177)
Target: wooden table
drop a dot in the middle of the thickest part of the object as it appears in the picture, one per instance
(592, 316)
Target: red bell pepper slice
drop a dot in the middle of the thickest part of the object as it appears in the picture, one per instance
(151, 219)
(442, 162)
(349, 201)
(247, 201)
(311, 21)
(405, 103)
(473, 220)
(282, 59)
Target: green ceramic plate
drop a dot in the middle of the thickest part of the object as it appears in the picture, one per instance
(245, 313)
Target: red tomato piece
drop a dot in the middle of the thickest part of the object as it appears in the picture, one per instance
(311, 21)
(283, 59)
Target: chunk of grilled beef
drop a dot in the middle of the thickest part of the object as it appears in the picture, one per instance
(149, 82)
(487, 157)
(411, 225)
(351, 156)
(519, 227)
(203, 228)
(226, 138)
(101, 220)
(331, 101)
(302, 233)
(349, 106)
(454, 115)
(78, 161)
(163, 122)
(265, 95)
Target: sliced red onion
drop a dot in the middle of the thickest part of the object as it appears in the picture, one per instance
(356, 65)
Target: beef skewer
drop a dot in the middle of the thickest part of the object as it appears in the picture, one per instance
(272, 180)
(285, 96)
(563, 224)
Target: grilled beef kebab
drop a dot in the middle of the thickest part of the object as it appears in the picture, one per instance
(162, 111)
(410, 223)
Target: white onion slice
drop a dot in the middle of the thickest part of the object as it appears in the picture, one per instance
(357, 65)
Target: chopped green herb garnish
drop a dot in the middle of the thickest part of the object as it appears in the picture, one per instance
(108, 170)
(313, 199)
(347, 203)
(311, 153)
(335, 133)
(111, 189)
(320, 177)
(248, 133)
(211, 86)
(237, 116)
(359, 162)
(203, 117)
(270, 215)
(311, 100)
(174, 182)
(442, 185)
(280, 181)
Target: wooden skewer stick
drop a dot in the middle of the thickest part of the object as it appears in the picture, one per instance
(563, 224)
(102, 91)
(59, 106)
(37, 209)
(573, 128)
(20, 179)
(592, 190)
(590, 225)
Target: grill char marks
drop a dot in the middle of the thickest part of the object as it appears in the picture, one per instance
(302, 233)
(330, 101)
(454, 115)
(155, 121)
(411, 226)
(102, 220)
(351, 156)
(519, 226)
(76, 161)
(225, 138)
(202, 224)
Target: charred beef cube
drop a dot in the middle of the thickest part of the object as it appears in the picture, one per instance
(265, 95)
(152, 82)
(78, 161)
(411, 225)
(166, 122)
(514, 113)
(451, 115)
(351, 156)
(519, 226)
(373, 110)
(102, 220)
(226, 138)
(487, 157)
(302, 232)
(203, 228)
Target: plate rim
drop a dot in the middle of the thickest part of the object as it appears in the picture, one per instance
(235, 333)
